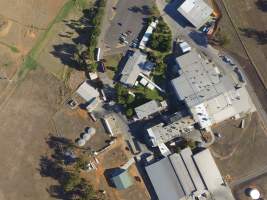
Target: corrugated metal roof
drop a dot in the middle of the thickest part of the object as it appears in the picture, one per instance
(186, 155)
(197, 12)
(122, 180)
(87, 92)
(182, 173)
(164, 180)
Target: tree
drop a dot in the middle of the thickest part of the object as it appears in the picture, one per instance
(80, 55)
(129, 112)
(81, 163)
(87, 191)
(72, 180)
(92, 67)
(130, 99)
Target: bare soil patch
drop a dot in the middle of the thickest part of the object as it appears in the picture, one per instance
(26, 121)
(240, 152)
(246, 14)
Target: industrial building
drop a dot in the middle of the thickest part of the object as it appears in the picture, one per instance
(150, 108)
(210, 95)
(187, 176)
(197, 12)
(136, 64)
(161, 133)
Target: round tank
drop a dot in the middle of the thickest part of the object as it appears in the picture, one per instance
(254, 194)
(91, 131)
(86, 136)
(80, 142)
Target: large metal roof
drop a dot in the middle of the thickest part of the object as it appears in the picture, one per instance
(197, 12)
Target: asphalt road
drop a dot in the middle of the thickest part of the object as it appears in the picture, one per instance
(128, 15)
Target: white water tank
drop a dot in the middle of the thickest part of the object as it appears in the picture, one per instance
(254, 194)
(80, 142)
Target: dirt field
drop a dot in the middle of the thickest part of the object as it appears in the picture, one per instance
(246, 14)
(260, 183)
(240, 153)
(25, 123)
(114, 158)
(72, 123)
(27, 20)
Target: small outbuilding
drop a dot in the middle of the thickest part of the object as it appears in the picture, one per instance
(121, 179)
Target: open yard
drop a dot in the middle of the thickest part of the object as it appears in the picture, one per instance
(109, 160)
(26, 121)
(241, 153)
(259, 182)
(250, 18)
(22, 22)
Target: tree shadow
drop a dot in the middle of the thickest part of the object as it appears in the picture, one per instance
(50, 166)
(261, 5)
(259, 36)
(144, 10)
(82, 27)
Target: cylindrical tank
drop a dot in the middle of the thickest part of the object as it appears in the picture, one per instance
(86, 136)
(80, 142)
(254, 194)
(91, 131)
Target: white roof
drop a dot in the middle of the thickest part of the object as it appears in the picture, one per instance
(87, 92)
(147, 34)
(197, 12)
(135, 65)
(150, 86)
(211, 96)
(185, 47)
(161, 134)
(143, 82)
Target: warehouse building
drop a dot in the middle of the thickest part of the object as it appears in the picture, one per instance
(136, 64)
(197, 12)
(187, 176)
(210, 96)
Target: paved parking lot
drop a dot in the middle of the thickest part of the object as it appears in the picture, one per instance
(129, 15)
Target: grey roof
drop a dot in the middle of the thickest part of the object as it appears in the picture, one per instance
(135, 65)
(197, 12)
(199, 80)
(149, 108)
(182, 173)
(87, 92)
(186, 155)
(121, 179)
(164, 180)
(212, 176)
(161, 133)
(177, 177)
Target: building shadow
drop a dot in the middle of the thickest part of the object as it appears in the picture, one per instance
(171, 10)
(199, 37)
